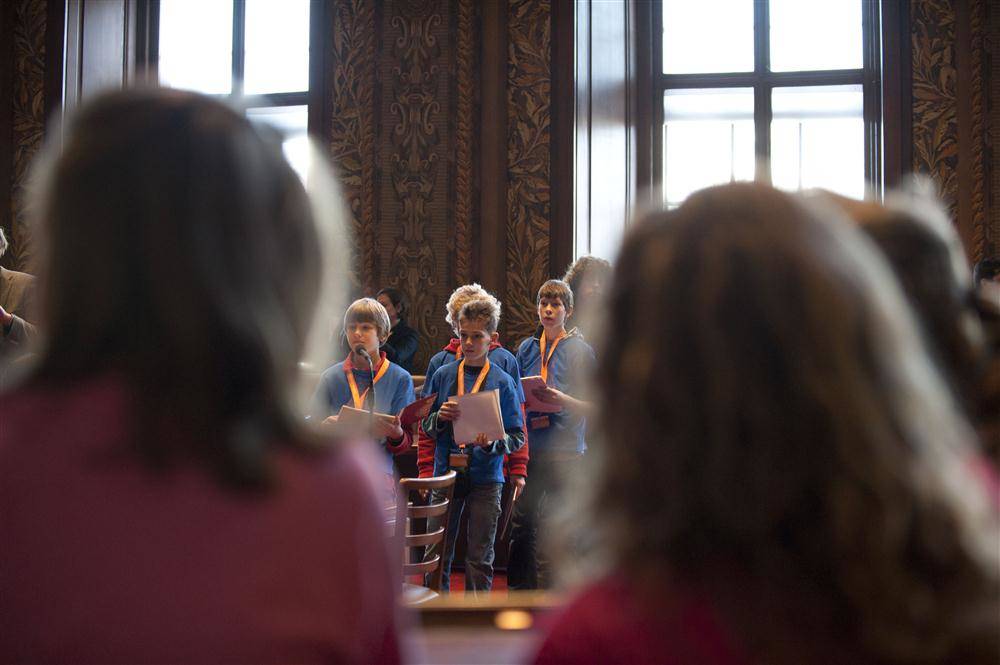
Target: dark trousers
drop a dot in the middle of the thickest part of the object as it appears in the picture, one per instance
(527, 566)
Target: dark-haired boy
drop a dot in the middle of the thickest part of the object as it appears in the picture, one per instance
(561, 357)
(482, 470)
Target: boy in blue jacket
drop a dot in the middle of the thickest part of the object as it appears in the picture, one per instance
(480, 467)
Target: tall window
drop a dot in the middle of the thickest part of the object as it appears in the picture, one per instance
(257, 49)
(781, 91)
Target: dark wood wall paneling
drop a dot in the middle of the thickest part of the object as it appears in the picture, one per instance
(991, 74)
(25, 119)
(949, 129)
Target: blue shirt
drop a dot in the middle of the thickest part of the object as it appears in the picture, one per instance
(392, 392)
(485, 466)
(499, 356)
(571, 361)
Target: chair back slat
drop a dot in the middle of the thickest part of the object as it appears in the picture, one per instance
(423, 568)
(430, 510)
(408, 514)
(424, 539)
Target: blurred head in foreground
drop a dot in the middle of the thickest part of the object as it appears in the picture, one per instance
(181, 254)
(914, 234)
(776, 419)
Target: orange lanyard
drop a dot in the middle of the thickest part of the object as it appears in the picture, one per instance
(546, 359)
(458, 353)
(479, 380)
(359, 398)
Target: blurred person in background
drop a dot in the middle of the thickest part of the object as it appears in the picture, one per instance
(784, 476)
(587, 277)
(17, 296)
(914, 233)
(402, 343)
(161, 499)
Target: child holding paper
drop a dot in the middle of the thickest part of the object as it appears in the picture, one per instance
(366, 325)
(515, 464)
(560, 357)
(481, 471)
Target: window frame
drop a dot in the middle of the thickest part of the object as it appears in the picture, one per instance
(763, 82)
(311, 98)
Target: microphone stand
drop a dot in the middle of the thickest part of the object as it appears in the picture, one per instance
(361, 351)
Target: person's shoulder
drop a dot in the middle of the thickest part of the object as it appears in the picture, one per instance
(499, 375)
(502, 354)
(17, 277)
(332, 372)
(526, 345)
(576, 343)
(397, 371)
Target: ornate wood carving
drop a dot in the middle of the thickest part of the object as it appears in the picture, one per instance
(465, 119)
(528, 161)
(935, 116)
(352, 126)
(413, 234)
(28, 117)
(978, 202)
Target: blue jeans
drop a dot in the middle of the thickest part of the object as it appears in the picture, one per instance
(483, 502)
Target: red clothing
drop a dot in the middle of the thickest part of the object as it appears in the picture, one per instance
(514, 464)
(608, 623)
(102, 561)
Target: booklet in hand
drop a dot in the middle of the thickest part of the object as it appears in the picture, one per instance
(416, 411)
(531, 403)
(480, 415)
(357, 421)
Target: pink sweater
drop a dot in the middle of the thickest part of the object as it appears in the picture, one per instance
(102, 562)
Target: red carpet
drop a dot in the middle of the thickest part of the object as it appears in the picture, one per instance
(458, 581)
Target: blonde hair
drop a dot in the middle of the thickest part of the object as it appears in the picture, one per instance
(782, 418)
(462, 295)
(369, 310)
(482, 309)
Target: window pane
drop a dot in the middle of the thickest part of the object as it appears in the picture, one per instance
(196, 45)
(815, 35)
(707, 36)
(292, 122)
(277, 46)
(818, 139)
(708, 139)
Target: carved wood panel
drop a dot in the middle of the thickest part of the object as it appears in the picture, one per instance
(28, 118)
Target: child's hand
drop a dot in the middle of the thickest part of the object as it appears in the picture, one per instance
(449, 411)
(550, 395)
(518, 483)
(330, 420)
(481, 441)
(389, 430)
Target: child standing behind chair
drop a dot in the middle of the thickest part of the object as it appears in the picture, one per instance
(561, 357)
(480, 472)
(515, 464)
(366, 326)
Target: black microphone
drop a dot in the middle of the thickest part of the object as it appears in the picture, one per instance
(363, 353)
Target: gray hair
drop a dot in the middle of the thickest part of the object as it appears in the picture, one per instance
(3, 243)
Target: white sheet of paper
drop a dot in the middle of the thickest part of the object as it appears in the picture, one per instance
(532, 403)
(480, 414)
(357, 420)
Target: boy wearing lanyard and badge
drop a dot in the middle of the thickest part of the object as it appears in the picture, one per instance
(366, 325)
(480, 464)
(515, 464)
(561, 358)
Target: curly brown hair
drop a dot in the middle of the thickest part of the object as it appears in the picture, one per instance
(774, 412)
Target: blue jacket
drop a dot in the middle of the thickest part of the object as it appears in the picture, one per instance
(499, 356)
(486, 465)
(572, 360)
(393, 392)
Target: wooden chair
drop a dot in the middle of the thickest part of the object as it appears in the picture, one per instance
(406, 523)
